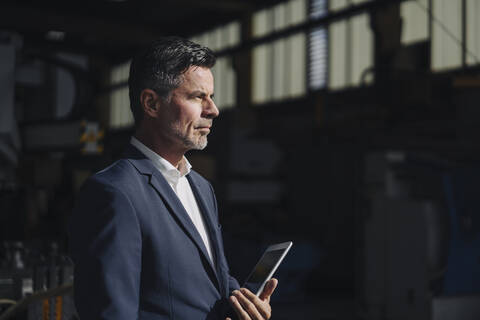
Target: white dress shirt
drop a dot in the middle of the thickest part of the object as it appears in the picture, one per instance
(177, 179)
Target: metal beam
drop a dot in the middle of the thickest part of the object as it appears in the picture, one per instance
(43, 20)
(226, 5)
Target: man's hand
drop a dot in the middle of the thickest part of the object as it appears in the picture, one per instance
(248, 306)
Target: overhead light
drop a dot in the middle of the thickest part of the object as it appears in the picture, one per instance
(55, 35)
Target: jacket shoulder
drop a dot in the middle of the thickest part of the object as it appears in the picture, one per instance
(120, 175)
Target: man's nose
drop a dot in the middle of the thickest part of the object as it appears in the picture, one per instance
(210, 109)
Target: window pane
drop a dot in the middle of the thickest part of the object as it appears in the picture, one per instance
(297, 10)
(119, 114)
(232, 34)
(280, 66)
(446, 34)
(318, 58)
(279, 16)
(215, 39)
(361, 49)
(231, 84)
(473, 32)
(317, 48)
(414, 21)
(218, 75)
(262, 23)
(261, 73)
(337, 69)
(334, 5)
(298, 65)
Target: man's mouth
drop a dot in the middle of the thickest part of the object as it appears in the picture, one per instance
(205, 126)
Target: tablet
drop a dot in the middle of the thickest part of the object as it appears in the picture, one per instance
(266, 266)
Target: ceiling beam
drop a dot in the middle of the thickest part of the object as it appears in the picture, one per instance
(92, 29)
(225, 5)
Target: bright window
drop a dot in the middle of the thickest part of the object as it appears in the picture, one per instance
(446, 35)
(473, 32)
(350, 47)
(117, 103)
(414, 21)
(279, 67)
(317, 47)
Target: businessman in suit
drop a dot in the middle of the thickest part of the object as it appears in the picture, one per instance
(144, 235)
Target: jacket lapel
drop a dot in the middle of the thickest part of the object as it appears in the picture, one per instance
(170, 198)
(209, 222)
(160, 184)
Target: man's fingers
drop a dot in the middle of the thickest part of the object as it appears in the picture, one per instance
(249, 306)
(238, 308)
(268, 289)
(262, 307)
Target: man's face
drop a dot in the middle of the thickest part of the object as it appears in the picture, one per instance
(188, 115)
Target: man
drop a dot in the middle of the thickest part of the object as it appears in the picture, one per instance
(145, 236)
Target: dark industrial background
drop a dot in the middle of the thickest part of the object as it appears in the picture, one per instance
(350, 127)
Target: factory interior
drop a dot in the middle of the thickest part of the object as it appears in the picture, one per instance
(375, 97)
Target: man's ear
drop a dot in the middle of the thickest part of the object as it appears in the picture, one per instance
(149, 100)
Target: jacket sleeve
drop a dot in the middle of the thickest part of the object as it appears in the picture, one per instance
(105, 245)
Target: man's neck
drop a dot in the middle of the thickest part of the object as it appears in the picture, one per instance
(162, 149)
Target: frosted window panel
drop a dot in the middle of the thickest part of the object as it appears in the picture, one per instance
(337, 33)
(414, 21)
(334, 5)
(297, 11)
(262, 23)
(261, 73)
(318, 8)
(298, 66)
(126, 118)
(230, 84)
(129, 116)
(473, 32)
(215, 41)
(361, 53)
(232, 34)
(280, 65)
(317, 47)
(318, 58)
(117, 108)
(121, 108)
(279, 16)
(126, 71)
(446, 47)
(219, 75)
(114, 114)
(225, 83)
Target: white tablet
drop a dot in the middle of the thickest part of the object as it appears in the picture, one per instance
(266, 266)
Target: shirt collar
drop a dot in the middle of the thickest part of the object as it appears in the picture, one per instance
(170, 173)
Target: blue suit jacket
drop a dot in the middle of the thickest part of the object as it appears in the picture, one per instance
(137, 254)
